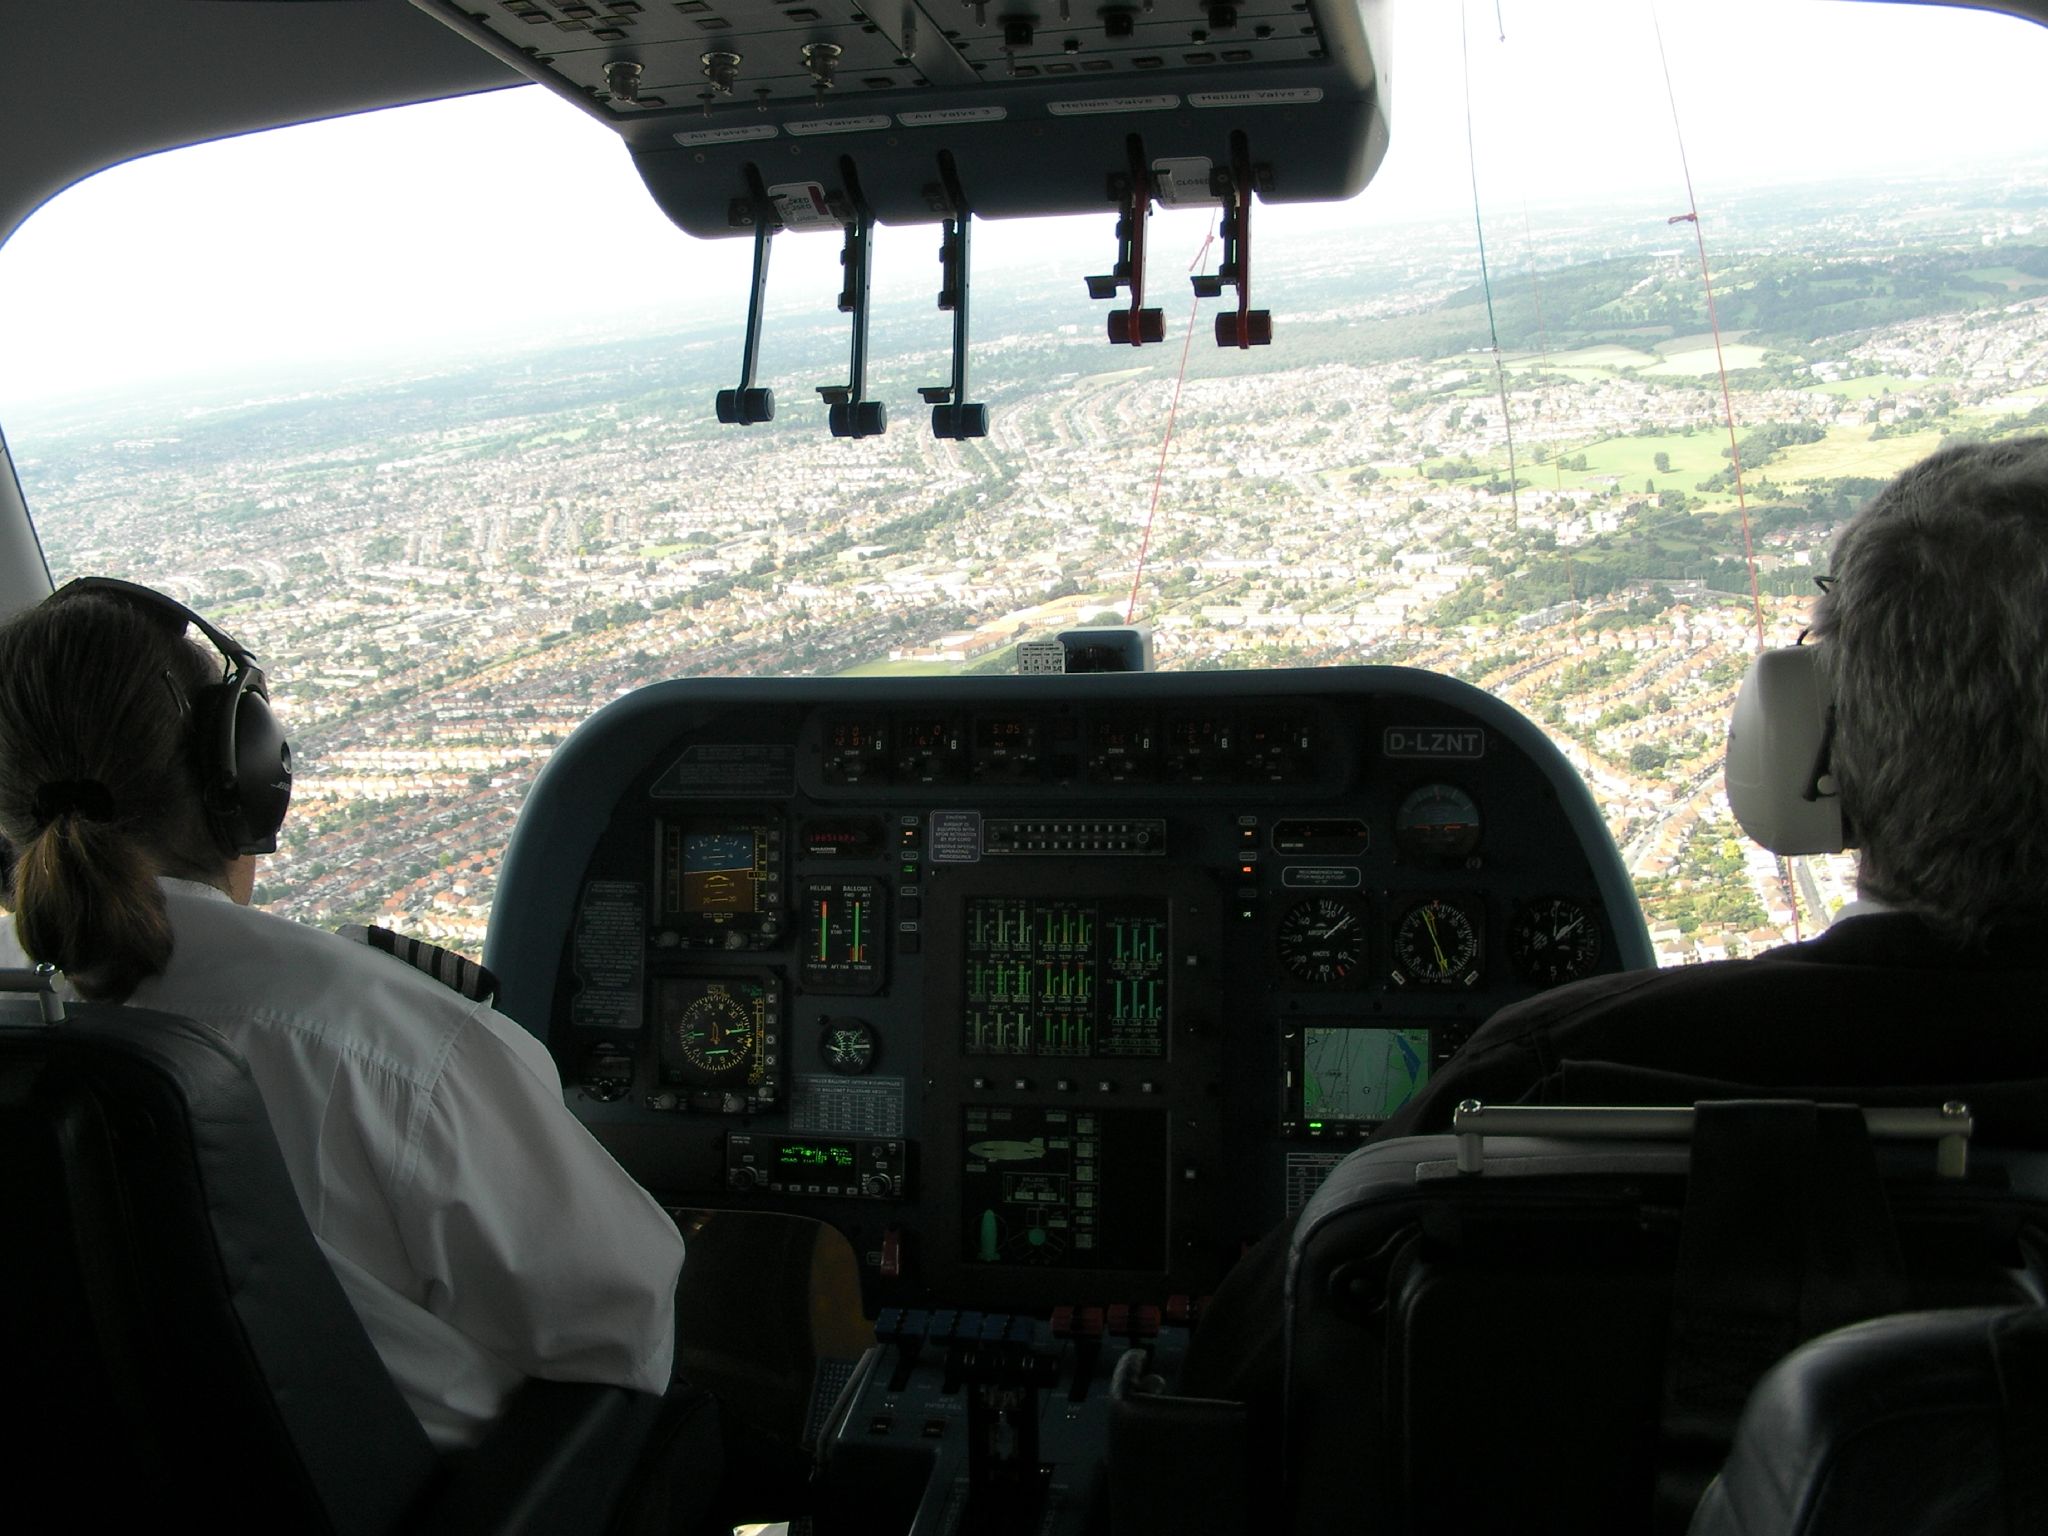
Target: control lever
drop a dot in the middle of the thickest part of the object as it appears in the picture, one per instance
(952, 416)
(1137, 325)
(1006, 1481)
(852, 414)
(748, 404)
(1246, 327)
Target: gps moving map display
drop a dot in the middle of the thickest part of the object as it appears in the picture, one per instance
(1065, 977)
(1350, 1074)
(1069, 1188)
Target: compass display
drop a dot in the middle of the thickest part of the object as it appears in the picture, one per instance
(720, 1039)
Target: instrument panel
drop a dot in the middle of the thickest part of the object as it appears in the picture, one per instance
(1045, 990)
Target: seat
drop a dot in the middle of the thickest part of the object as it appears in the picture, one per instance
(1932, 1422)
(177, 1344)
(1560, 1335)
(1569, 1335)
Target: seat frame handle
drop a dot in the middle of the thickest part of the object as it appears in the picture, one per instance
(1948, 1127)
(42, 981)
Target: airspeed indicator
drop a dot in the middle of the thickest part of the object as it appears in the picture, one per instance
(1322, 941)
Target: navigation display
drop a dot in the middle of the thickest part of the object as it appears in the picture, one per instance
(1360, 1074)
(1064, 1188)
(1060, 977)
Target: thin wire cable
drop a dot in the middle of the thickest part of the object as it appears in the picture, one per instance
(1485, 278)
(1692, 216)
(1166, 438)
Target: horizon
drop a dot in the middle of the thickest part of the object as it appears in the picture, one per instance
(307, 214)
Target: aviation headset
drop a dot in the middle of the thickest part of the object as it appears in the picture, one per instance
(238, 747)
(1779, 770)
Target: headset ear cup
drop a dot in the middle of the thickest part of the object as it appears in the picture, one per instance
(263, 775)
(212, 739)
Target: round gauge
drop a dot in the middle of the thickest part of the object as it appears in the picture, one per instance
(1436, 944)
(848, 1046)
(717, 1034)
(1553, 939)
(1437, 824)
(1321, 941)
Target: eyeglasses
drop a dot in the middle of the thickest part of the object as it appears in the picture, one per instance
(1826, 585)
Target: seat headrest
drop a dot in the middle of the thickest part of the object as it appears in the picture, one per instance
(1777, 777)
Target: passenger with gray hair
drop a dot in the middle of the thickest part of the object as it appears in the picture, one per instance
(1929, 646)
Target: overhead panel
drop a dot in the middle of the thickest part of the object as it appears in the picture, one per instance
(1041, 107)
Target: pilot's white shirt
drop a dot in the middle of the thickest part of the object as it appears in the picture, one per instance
(481, 1232)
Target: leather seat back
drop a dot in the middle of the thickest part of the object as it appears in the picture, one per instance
(1920, 1422)
(1496, 1351)
(176, 1341)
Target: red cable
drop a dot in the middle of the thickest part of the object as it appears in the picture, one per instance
(1692, 216)
(1166, 441)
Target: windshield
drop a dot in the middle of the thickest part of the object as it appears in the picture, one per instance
(418, 405)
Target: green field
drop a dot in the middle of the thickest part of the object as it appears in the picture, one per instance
(900, 669)
(1850, 451)
(1872, 385)
(1634, 460)
(1697, 361)
(1583, 360)
(2012, 279)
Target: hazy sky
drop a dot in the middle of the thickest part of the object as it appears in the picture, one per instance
(343, 239)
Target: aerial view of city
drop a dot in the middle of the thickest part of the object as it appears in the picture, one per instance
(448, 566)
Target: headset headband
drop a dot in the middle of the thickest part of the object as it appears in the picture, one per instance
(238, 748)
(236, 653)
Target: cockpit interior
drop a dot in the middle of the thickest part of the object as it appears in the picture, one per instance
(1051, 992)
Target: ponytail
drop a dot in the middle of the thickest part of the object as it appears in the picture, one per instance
(87, 901)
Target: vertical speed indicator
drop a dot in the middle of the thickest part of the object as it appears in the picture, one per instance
(841, 931)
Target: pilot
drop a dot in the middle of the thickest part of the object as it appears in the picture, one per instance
(481, 1233)
(1930, 637)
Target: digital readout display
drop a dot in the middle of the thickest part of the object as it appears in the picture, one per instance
(814, 1156)
(1065, 977)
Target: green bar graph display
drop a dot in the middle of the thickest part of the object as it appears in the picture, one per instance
(1065, 977)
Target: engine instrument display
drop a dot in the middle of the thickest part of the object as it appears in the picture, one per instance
(1069, 1188)
(721, 1039)
(721, 882)
(1056, 977)
(1355, 1075)
(842, 936)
